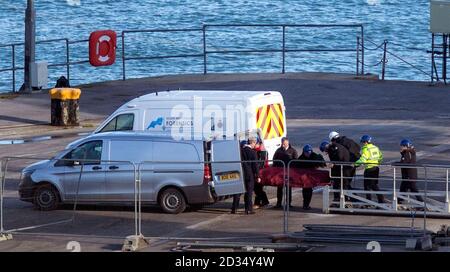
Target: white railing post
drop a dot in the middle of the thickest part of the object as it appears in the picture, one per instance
(286, 197)
(342, 199)
(140, 200)
(394, 192)
(447, 203)
(136, 215)
(326, 200)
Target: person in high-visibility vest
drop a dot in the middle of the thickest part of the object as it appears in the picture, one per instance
(371, 158)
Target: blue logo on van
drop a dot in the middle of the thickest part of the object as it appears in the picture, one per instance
(157, 122)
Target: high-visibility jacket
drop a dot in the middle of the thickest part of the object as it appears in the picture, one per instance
(371, 156)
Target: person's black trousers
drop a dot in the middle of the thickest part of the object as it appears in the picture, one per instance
(260, 196)
(371, 183)
(411, 186)
(280, 195)
(248, 197)
(307, 196)
(352, 176)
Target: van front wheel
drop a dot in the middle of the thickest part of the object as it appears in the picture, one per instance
(172, 201)
(46, 198)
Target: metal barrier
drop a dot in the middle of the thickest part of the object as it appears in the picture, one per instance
(202, 33)
(437, 209)
(74, 191)
(12, 176)
(138, 183)
(355, 201)
(211, 188)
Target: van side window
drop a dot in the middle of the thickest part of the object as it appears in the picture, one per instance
(134, 151)
(173, 151)
(120, 123)
(90, 152)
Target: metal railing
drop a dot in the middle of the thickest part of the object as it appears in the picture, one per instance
(343, 192)
(67, 63)
(352, 196)
(14, 175)
(384, 59)
(5, 161)
(203, 33)
(283, 50)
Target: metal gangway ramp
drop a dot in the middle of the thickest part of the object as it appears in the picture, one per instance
(432, 200)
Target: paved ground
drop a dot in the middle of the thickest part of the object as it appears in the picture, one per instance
(316, 104)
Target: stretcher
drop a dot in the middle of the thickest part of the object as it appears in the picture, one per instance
(302, 178)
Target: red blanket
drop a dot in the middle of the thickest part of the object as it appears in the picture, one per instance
(303, 178)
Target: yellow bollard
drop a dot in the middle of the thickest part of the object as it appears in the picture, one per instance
(65, 106)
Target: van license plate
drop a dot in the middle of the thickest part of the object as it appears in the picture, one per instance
(231, 176)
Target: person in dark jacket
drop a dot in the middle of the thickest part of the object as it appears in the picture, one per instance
(338, 153)
(353, 148)
(261, 198)
(285, 153)
(409, 175)
(308, 160)
(251, 175)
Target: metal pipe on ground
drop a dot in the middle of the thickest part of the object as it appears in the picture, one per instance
(287, 246)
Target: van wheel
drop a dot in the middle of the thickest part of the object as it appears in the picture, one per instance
(172, 201)
(46, 198)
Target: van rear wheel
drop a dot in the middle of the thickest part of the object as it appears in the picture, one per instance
(172, 201)
(46, 198)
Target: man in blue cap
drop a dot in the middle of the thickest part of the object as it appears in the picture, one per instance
(308, 160)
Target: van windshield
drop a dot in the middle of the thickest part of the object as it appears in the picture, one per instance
(121, 122)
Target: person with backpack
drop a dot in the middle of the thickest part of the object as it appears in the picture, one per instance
(352, 147)
(338, 153)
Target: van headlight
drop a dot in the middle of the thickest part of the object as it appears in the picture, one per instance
(28, 172)
(26, 176)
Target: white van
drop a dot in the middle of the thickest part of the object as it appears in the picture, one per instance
(191, 114)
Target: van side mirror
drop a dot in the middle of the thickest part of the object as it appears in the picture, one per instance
(72, 163)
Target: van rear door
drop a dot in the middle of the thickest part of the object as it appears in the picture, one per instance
(226, 169)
